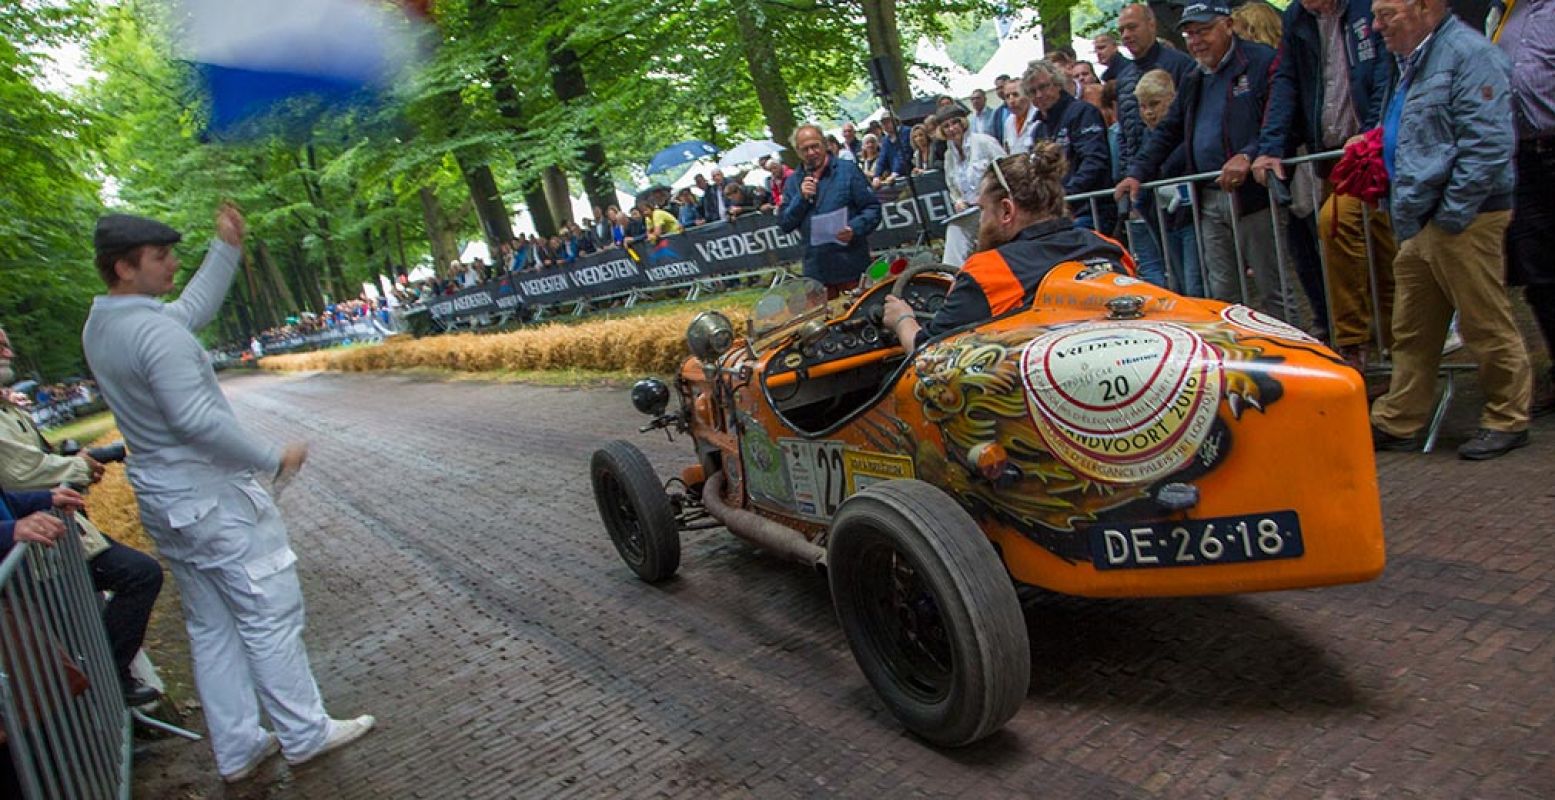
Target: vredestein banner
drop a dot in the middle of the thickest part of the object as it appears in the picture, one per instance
(751, 242)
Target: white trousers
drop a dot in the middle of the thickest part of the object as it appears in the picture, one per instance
(244, 612)
(960, 239)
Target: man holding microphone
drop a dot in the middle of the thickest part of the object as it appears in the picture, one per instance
(193, 468)
(829, 201)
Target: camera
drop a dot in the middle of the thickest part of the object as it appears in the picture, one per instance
(107, 454)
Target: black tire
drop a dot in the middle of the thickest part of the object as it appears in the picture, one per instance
(636, 511)
(929, 611)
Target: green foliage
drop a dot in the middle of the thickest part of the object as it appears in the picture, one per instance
(47, 200)
(972, 41)
(517, 86)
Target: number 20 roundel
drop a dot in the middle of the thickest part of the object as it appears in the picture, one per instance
(1125, 402)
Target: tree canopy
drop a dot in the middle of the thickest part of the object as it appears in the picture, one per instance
(519, 103)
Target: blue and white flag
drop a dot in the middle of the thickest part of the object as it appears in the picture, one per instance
(254, 58)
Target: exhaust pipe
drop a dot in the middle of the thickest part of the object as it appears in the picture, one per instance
(771, 536)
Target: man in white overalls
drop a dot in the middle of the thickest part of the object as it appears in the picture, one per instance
(193, 467)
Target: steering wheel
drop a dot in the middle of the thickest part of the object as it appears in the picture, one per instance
(912, 272)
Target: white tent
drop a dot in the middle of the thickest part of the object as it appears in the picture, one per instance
(1014, 53)
(475, 249)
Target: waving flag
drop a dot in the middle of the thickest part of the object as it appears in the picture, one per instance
(257, 57)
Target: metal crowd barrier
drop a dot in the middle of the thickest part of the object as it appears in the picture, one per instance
(1286, 268)
(67, 729)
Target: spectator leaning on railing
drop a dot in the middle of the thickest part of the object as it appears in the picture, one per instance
(1333, 74)
(1448, 144)
(1218, 114)
(1137, 24)
(1081, 134)
(28, 463)
(25, 517)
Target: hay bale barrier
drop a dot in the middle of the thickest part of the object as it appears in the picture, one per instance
(653, 344)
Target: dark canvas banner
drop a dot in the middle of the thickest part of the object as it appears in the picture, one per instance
(751, 242)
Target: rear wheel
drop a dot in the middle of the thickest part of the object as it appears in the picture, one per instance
(636, 511)
(929, 611)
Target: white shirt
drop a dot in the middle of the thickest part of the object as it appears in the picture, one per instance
(1021, 142)
(184, 439)
(964, 173)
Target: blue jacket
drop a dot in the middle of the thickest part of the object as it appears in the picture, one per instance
(1456, 138)
(842, 185)
(895, 152)
(1251, 65)
(1080, 130)
(14, 506)
(1135, 132)
(1295, 114)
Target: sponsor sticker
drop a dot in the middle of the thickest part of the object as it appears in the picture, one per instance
(864, 469)
(816, 476)
(1262, 324)
(1122, 402)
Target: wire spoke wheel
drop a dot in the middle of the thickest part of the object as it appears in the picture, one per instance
(636, 510)
(929, 611)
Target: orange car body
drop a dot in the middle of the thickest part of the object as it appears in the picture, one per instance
(1198, 448)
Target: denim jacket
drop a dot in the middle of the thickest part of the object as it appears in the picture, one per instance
(1455, 138)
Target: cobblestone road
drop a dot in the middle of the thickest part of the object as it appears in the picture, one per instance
(460, 586)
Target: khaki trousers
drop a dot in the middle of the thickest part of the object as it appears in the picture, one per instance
(1342, 230)
(1437, 272)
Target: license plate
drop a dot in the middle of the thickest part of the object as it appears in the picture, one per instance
(1197, 542)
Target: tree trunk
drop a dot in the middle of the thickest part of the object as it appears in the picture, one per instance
(263, 315)
(305, 277)
(508, 108)
(284, 302)
(886, 40)
(1057, 32)
(572, 88)
(496, 225)
(558, 195)
(334, 274)
(761, 60)
(445, 249)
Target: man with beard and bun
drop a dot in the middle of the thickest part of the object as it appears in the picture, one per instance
(1024, 232)
(826, 186)
(194, 470)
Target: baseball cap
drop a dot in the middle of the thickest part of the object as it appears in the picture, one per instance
(1203, 12)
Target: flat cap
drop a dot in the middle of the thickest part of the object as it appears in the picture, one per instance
(119, 232)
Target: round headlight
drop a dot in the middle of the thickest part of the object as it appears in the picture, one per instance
(709, 335)
(650, 396)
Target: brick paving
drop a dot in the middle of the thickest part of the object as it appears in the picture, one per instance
(461, 587)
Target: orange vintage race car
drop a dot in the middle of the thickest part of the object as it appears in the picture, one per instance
(1113, 439)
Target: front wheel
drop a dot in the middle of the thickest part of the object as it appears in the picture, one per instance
(929, 611)
(636, 511)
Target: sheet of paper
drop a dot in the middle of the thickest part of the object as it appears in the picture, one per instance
(969, 211)
(825, 227)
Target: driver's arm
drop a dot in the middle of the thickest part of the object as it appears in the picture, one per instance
(965, 304)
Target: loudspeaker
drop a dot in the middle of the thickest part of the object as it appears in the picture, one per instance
(882, 73)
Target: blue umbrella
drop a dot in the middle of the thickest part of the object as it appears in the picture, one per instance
(680, 153)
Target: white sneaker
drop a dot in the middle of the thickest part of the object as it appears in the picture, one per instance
(341, 733)
(270, 748)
